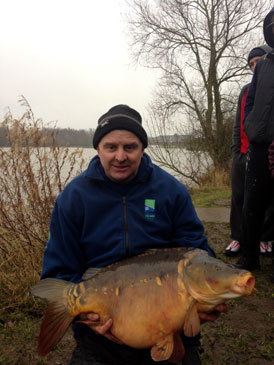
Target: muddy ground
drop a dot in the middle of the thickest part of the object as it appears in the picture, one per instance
(243, 336)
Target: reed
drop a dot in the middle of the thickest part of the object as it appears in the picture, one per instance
(31, 176)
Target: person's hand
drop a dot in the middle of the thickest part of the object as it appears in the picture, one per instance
(212, 316)
(93, 321)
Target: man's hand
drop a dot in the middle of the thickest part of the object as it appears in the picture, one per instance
(212, 316)
(93, 321)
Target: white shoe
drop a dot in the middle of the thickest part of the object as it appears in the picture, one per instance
(263, 247)
(269, 247)
(233, 248)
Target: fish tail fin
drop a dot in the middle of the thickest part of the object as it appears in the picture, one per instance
(55, 323)
(57, 318)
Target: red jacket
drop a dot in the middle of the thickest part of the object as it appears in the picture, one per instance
(244, 140)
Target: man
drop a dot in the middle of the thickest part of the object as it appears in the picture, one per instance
(259, 128)
(120, 206)
(271, 168)
(239, 148)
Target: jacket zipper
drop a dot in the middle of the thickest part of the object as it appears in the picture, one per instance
(126, 224)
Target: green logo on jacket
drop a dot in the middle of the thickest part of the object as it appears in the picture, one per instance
(149, 208)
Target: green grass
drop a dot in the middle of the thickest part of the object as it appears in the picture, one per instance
(209, 196)
(15, 337)
(18, 339)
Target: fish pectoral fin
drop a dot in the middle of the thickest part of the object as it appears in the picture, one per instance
(178, 350)
(192, 321)
(163, 349)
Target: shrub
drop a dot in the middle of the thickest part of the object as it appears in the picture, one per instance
(31, 176)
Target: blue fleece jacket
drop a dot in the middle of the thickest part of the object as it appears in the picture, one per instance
(96, 221)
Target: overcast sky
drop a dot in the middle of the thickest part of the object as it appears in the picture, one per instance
(70, 59)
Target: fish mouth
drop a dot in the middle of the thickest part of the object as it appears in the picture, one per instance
(244, 285)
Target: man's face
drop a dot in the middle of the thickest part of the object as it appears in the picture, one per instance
(120, 153)
(252, 62)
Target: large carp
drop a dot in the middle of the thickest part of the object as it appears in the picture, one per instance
(151, 298)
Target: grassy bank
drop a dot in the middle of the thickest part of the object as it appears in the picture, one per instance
(210, 196)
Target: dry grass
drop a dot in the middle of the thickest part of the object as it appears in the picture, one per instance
(31, 176)
(217, 178)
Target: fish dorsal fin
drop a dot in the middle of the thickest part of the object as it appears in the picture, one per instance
(178, 350)
(163, 349)
(91, 272)
(192, 321)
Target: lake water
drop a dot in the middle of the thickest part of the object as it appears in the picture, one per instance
(178, 162)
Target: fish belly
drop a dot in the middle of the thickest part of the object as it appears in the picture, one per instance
(148, 312)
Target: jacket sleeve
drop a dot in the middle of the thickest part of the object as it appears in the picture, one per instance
(250, 96)
(271, 159)
(188, 230)
(236, 132)
(63, 259)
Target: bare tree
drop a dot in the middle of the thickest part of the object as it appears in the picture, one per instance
(201, 48)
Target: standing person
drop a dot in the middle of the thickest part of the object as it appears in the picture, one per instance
(271, 168)
(239, 149)
(259, 128)
(120, 206)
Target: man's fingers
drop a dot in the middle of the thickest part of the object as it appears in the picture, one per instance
(92, 320)
(212, 316)
(88, 322)
(93, 316)
(209, 316)
(110, 337)
(221, 308)
(102, 329)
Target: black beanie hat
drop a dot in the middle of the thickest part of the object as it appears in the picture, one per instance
(256, 52)
(120, 117)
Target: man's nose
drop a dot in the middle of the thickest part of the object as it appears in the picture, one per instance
(120, 155)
